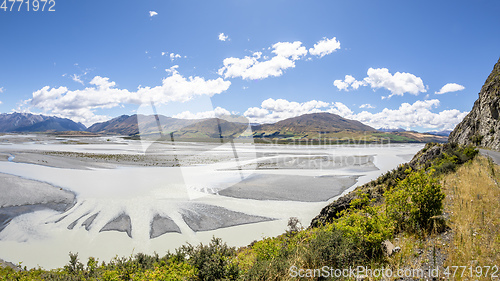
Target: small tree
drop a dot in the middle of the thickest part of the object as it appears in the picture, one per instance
(294, 225)
(414, 201)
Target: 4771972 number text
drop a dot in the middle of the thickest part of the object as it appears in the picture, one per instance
(28, 5)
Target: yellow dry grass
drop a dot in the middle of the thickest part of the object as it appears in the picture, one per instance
(473, 202)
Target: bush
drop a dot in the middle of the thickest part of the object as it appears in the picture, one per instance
(74, 266)
(330, 247)
(367, 225)
(414, 201)
(270, 258)
(477, 139)
(212, 261)
(452, 156)
(294, 225)
(176, 271)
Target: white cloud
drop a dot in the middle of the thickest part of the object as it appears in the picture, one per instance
(163, 53)
(413, 115)
(281, 105)
(258, 66)
(417, 115)
(349, 81)
(366, 105)
(251, 67)
(340, 109)
(325, 47)
(80, 105)
(223, 37)
(152, 13)
(256, 112)
(217, 112)
(0, 102)
(172, 69)
(77, 78)
(293, 50)
(398, 84)
(450, 87)
(174, 56)
(2, 89)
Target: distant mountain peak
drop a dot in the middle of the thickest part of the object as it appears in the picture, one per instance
(28, 122)
(313, 125)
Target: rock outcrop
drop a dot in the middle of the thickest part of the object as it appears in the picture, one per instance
(481, 126)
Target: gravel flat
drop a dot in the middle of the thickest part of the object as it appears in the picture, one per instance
(290, 187)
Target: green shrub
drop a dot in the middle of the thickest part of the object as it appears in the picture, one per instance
(367, 225)
(452, 156)
(414, 201)
(74, 267)
(477, 139)
(175, 271)
(331, 247)
(212, 261)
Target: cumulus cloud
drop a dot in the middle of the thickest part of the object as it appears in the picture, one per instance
(341, 109)
(257, 66)
(252, 67)
(80, 105)
(398, 84)
(325, 47)
(349, 81)
(420, 114)
(366, 105)
(217, 112)
(450, 87)
(293, 50)
(414, 115)
(256, 113)
(174, 56)
(152, 13)
(223, 37)
(281, 105)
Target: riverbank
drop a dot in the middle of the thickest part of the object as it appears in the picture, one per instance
(337, 241)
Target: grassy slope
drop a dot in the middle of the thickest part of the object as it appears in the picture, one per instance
(474, 204)
(472, 211)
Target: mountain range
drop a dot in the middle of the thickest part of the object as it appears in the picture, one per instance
(309, 126)
(27, 122)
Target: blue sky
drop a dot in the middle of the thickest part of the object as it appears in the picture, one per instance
(94, 60)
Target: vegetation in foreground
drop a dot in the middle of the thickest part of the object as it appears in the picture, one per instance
(354, 237)
(474, 205)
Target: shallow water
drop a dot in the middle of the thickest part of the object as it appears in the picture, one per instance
(121, 210)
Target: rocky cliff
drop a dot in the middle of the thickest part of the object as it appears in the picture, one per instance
(482, 125)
